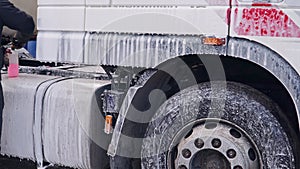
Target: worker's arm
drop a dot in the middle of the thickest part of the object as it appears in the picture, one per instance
(16, 19)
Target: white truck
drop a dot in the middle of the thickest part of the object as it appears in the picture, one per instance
(168, 84)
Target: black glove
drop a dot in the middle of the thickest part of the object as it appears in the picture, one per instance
(21, 39)
(5, 40)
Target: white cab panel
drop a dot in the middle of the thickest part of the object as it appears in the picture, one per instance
(61, 18)
(171, 2)
(97, 2)
(61, 2)
(292, 3)
(188, 20)
(60, 46)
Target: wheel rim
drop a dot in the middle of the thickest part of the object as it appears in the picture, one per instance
(213, 143)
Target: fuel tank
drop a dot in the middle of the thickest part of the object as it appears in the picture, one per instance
(54, 119)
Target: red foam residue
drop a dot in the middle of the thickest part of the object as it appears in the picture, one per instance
(261, 4)
(265, 22)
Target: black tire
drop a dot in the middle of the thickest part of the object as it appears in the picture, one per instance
(244, 106)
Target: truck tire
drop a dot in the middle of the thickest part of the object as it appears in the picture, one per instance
(217, 125)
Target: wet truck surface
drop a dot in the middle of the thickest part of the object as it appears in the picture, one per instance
(166, 84)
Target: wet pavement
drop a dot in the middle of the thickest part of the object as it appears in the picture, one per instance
(16, 163)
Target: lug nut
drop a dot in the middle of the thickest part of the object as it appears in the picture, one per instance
(186, 153)
(231, 153)
(199, 143)
(182, 167)
(237, 167)
(216, 143)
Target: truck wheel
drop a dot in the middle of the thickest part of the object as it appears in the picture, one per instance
(226, 127)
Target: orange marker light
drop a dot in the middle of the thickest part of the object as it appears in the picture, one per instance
(108, 124)
(214, 41)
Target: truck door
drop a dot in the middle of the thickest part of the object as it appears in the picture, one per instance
(273, 23)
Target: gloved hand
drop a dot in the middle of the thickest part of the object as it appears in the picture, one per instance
(20, 39)
(5, 40)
